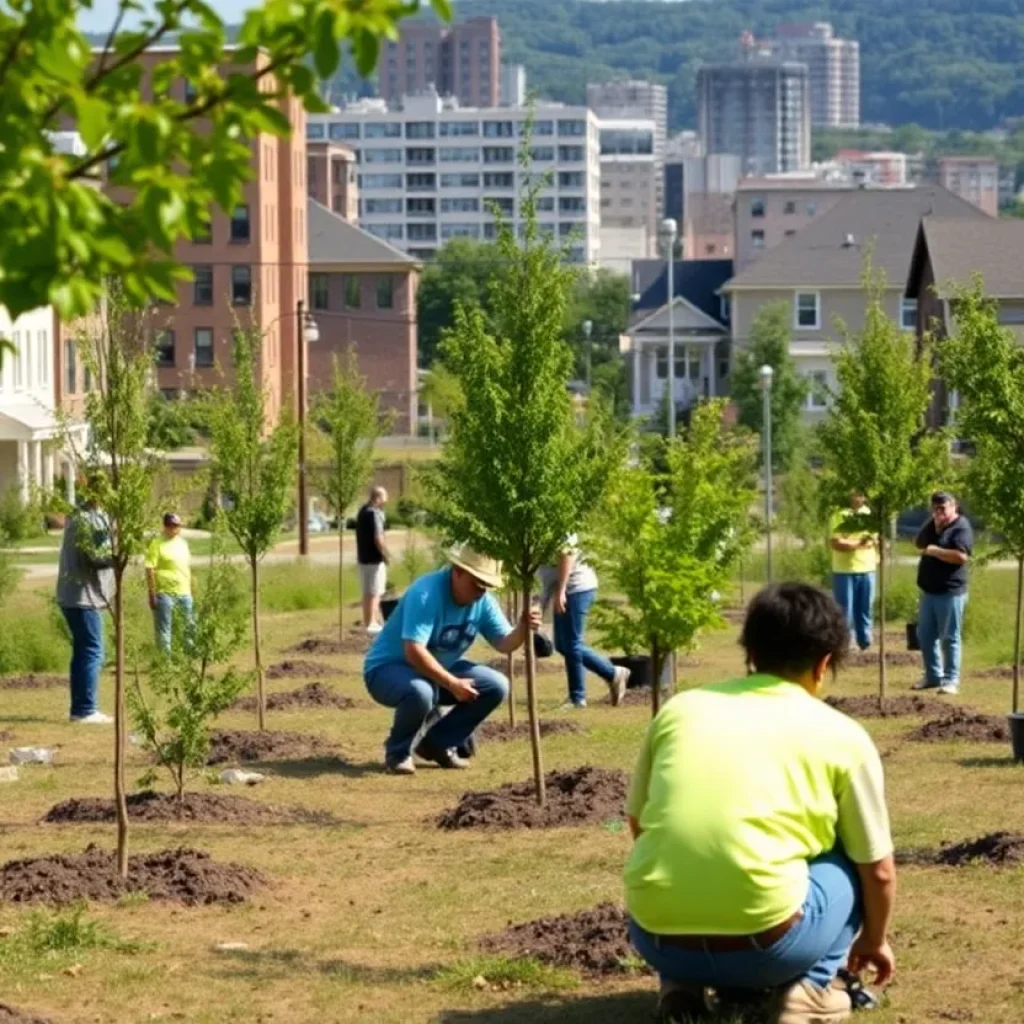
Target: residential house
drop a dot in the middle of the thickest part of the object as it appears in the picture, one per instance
(700, 318)
(818, 273)
(362, 293)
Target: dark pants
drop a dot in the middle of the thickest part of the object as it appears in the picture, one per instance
(570, 629)
(86, 625)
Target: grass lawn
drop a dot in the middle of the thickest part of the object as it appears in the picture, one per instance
(376, 919)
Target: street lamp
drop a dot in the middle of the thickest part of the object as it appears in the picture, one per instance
(767, 373)
(309, 335)
(588, 327)
(668, 233)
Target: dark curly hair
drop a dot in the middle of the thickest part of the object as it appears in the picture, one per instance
(790, 627)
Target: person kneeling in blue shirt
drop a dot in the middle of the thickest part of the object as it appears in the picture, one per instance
(417, 660)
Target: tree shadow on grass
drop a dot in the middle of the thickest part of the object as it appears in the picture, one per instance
(279, 964)
(610, 1008)
(991, 762)
(314, 767)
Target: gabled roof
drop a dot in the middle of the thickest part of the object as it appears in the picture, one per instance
(686, 319)
(960, 249)
(333, 240)
(829, 252)
(697, 281)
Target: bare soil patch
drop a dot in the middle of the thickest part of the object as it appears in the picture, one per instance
(300, 669)
(999, 672)
(235, 746)
(32, 681)
(312, 695)
(197, 808)
(998, 848)
(11, 1015)
(502, 732)
(639, 695)
(182, 875)
(355, 642)
(962, 725)
(904, 706)
(869, 659)
(6, 735)
(593, 942)
(581, 796)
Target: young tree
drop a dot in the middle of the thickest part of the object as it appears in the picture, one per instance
(985, 364)
(441, 391)
(254, 467)
(517, 475)
(177, 151)
(875, 439)
(768, 345)
(187, 690)
(669, 543)
(349, 420)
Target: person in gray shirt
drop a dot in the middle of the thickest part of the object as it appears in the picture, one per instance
(85, 584)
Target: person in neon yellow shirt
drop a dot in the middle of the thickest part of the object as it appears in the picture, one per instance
(169, 578)
(854, 563)
(763, 858)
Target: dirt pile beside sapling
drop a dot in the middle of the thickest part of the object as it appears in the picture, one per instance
(300, 669)
(963, 726)
(32, 681)
(241, 747)
(903, 706)
(996, 848)
(583, 796)
(869, 659)
(502, 732)
(356, 642)
(312, 695)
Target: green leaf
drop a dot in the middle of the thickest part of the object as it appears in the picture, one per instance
(366, 50)
(93, 121)
(326, 52)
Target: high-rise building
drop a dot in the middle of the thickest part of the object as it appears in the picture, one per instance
(974, 178)
(462, 60)
(834, 66)
(759, 110)
(513, 85)
(629, 192)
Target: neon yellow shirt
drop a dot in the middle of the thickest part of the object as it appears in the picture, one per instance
(172, 562)
(861, 560)
(738, 785)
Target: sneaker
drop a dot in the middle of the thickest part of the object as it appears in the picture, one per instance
(467, 749)
(949, 688)
(860, 997)
(572, 705)
(373, 628)
(679, 1003)
(406, 766)
(923, 684)
(804, 1003)
(96, 718)
(442, 758)
(617, 687)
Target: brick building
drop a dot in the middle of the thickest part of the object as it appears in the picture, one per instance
(332, 178)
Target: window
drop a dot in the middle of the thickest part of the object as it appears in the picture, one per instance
(572, 204)
(88, 379)
(812, 209)
(459, 231)
(353, 291)
(572, 127)
(497, 129)
(374, 181)
(315, 130)
(241, 286)
(1010, 314)
(723, 308)
(319, 291)
(499, 179)
(420, 155)
(385, 291)
(203, 342)
(499, 154)
(421, 182)
(70, 367)
(389, 232)
(504, 206)
(756, 207)
(570, 179)
(459, 128)
(817, 394)
(43, 343)
(382, 156)
(459, 154)
(382, 206)
(460, 181)
(382, 130)
(419, 129)
(545, 204)
(420, 207)
(807, 312)
(340, 131)
(790, 208)
(165, 348)
(202, 284)
(908, 314)
(542, 154)
(570, 154)
(191, 92)
(466, 205)
(422, 233)
(240, 227)
(757, 239)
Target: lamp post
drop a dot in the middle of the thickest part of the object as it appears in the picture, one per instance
(308, 333)
(588, 327)
(767, 373)
(668, 233)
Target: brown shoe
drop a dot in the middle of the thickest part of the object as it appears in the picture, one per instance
(804, 1003)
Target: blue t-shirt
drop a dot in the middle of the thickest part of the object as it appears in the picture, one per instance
(428, 615)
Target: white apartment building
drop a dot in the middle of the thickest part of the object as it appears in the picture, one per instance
(430, 170)
(630, 174)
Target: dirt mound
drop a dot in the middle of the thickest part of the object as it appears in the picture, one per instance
(32, 682)
(6, 735)
(502, 732)
(10, 1015)
(183, 875)
(594, 942)
(892, 707)
(197, 808)
(545, 667)
(576, 797)
(999, 672)
(356, 642)
(962, 725)
(238, 746)
(639, 696)
(312, 695)
(869, 659)
(997, 848)
(299, 669)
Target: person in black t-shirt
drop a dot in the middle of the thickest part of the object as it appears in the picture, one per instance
(946, 543)
(373, 557)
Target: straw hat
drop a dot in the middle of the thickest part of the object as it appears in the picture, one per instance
(483, 569)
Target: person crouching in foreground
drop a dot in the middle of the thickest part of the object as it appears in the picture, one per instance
(763, 858)
(417, 660)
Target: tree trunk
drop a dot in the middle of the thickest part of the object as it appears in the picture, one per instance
(1016, 636)
(656, 660)
(882, 578)
(531, 705)
(261, 701)
(510, 663)
(341, 579)
(120, 799)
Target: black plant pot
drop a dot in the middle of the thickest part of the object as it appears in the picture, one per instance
(387, 606)
(1017, 736)
(542, 645)
(913, 644)
(639, 666)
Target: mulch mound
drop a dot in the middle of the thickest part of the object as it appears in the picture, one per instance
(32, 682)
(197, 808)
(593, 942)
(869, 659)
(240, 747)
(10, 1015)
(357, 642)
(997, 848)
(502, 732)
(183, 876)
(577, 797)
(892, 707)
(313, 695)
(962, 725)
(299, 669)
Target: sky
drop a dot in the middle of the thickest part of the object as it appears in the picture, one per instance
(102, 14)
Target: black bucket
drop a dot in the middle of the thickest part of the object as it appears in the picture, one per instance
(639, 666)
(1017, 736)
(913, 644)
(387, 606)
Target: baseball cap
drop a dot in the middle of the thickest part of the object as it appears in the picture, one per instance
(942, 498)
(172, 519)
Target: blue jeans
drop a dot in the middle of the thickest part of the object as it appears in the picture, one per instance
(86, 625)
(815, 948)
(398, 685)
(167, 605)
(579, 658)
(940, 621)
(855, 594)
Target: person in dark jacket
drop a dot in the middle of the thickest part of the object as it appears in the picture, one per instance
(373, 557)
